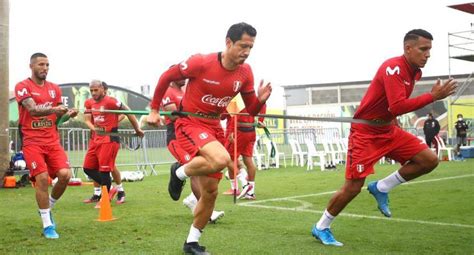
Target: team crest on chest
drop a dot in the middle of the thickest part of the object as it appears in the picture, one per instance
(203, 135)
(52, 93)
(237, 85)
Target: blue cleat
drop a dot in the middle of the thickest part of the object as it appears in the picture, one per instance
(52, 220)
(381, 197)
(325, 236)
(50, 232)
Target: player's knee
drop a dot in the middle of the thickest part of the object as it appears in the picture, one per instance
(93, 174)
(351, 189)
(219, 162)
(430, 163)
(209, 194)
(64, 175)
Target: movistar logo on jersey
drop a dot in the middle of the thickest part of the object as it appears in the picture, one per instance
(166, 100)
(22, 92)
(390, 71)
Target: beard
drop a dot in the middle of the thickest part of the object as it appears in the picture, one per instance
(40, 76)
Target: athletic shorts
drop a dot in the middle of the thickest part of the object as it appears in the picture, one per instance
(366, 149)
(45, 158)
(461, 140)
(101, 156)
(245, 143)
(192, 135)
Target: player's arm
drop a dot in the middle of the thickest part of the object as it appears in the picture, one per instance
(133, 120)
(36, 110)
(170, 108)
(400, 104)
(260, 120)
(253, 102)
(121, 117)
(172, 74)
(88, 121)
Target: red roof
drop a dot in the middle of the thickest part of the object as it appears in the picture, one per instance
(467, 7)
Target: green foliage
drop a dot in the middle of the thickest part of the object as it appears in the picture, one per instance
(13, 123)
(151, 223)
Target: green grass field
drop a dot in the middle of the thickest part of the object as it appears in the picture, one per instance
(432, 215)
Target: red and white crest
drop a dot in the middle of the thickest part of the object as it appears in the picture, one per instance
(52, 93)
(237, 85)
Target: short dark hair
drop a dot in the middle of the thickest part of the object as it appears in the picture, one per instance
(416, 33)
(459, 115)
(236, 31)
(37, 55)
(430, 114)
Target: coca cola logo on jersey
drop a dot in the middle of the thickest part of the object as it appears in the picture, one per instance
(99, 118)
(216, 101)
(45, 105)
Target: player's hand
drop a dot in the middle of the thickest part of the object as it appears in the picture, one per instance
(231, 138)
(72, 112)
(140, 133)
(264, 91)
(60, 109)
(442, 91)
(260, 124)
(153, 118)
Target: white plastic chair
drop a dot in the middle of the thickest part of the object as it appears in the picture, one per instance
(312, 152)
(331, 155)
(442, 147)
(297, 155)
(259, 157)
(276, 159)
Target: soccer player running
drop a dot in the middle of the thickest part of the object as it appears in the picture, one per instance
(246, 138)
(170, 103)
(386, 98)
(40, 106)
(214, 79)
(116, 176)
(99, 161)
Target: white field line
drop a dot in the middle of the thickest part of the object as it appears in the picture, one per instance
(305, 205)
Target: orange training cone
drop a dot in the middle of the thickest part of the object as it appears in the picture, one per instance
(105, 212)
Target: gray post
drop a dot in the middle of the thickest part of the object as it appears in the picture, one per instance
(4, 119)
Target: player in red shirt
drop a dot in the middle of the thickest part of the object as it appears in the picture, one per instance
(99, 161)
(40, 106)
(386, 98)
(170, 103)
(117, 178)
(214, 79)
(246, 138)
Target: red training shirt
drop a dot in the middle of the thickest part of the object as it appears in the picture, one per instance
(388, 94)
(107, 122)
(211, 87)
(172, 96)
(38, 130)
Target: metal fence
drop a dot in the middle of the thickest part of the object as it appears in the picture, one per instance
(75, 141)
(153, 150)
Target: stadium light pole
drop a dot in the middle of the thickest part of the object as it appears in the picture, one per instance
(4, 84)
